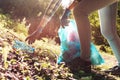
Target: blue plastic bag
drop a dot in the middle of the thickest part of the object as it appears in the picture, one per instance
(23, 46)
(70, 45)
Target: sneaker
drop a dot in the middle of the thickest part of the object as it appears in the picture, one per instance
(114, 71)
(79, 64)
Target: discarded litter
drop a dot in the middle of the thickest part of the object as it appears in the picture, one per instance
(70, 45)
(23, 46)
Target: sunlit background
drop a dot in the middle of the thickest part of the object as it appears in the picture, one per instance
(66, 3)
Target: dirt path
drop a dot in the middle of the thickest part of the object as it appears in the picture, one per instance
(110, 60)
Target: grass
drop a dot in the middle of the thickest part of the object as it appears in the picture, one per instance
(42, 62)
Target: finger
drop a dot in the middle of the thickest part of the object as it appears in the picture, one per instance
(27, 39)
(31, 41)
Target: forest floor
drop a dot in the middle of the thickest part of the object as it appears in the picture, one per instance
(109, 60)
(20, 65)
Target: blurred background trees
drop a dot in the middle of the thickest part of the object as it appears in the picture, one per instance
(29, 12)
(23, 8)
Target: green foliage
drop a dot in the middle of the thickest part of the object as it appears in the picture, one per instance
(94, 19)
(48, 47)
(24, 8)
(19, 65)
(16, 25)
(4, 52)
(118, 25)
(5, 21)
(20, 27)
(96, 33)
(119, 5)
(97, 37)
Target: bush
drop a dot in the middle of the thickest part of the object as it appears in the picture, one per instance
(17, 26)
(23, 8)
(97, 37)
(20, 27)
(5, 21)
(96, 34)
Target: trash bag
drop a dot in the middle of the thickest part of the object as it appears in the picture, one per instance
(23, 46)
(70, 45)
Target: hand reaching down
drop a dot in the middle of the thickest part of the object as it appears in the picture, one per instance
(31, 38)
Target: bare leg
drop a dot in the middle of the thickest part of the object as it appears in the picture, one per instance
(81, 12)
(108, 28)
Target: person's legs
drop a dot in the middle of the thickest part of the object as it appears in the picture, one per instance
(81, 12)
(108, 28)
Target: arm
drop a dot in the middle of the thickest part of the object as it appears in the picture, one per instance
(50, 11)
